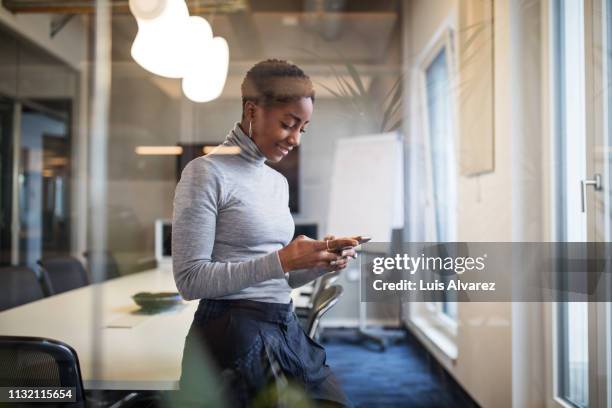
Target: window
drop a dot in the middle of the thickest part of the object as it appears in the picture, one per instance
(440, 144)
(572, 319)
(441, 158)
(433, 175)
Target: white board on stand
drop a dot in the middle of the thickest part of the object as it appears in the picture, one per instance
(367, 187)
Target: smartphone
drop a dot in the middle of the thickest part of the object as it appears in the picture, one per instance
(361, 240)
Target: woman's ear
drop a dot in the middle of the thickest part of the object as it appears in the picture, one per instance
(249, 109)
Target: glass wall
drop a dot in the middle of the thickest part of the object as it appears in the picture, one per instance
(93, 145)
(37, 99)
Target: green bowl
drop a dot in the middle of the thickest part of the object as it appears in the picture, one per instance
(157, 300)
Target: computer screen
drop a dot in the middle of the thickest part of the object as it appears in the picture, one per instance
(163, 240)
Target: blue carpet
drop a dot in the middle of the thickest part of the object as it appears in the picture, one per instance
(404, 375)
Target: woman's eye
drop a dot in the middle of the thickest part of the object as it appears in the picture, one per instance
(285, 126)
(302, 130)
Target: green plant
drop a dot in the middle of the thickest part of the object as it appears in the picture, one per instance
(362, 105)
(379, 115)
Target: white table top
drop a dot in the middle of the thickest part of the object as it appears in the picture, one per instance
(135, 352)
(144, 354)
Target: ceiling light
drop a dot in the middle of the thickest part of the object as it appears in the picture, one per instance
(199, 32)
(207, 72)
(159, 150)
(160, 45)
(220, 149)
(290, 21)
(172, 44)
(149, 9)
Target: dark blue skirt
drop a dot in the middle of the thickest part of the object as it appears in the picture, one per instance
(255, 347)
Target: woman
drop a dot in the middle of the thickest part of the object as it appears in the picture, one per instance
(231, 249)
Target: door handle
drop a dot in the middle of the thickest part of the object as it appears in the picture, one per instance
(595, 182)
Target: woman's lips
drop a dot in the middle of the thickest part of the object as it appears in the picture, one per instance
(283, 150)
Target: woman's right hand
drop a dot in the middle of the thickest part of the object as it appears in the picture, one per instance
(306, 253)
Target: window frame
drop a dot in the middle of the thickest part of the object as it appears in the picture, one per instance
(429, 318)
(592, 25)
(561, 125)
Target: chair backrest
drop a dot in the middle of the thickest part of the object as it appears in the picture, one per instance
(327, 298)
(322, 283)
(110, 265)
(39, 362)
(329, 278)
(65, 273)
(18, 285)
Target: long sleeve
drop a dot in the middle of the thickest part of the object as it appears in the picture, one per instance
(197, 200)
(301, 277)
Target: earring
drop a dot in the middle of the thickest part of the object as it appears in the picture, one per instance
(250, 131)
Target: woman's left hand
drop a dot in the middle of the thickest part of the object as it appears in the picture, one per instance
(345, 254)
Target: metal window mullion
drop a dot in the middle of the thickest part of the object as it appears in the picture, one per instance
(15, 213)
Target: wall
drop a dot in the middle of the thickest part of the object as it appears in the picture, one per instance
(484, 354)
(69, 45)
(532, 204)
(140, 188)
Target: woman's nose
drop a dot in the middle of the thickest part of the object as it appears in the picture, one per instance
(294, 138)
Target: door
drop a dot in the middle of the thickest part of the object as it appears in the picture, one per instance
(44, 181)
(6, 176)
(581, 33)
(595, 188)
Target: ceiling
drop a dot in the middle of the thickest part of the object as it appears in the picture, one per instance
(316, 34)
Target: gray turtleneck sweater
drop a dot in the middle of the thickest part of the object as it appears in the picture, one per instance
(231, 216)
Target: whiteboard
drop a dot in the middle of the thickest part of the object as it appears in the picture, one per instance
(367, 187)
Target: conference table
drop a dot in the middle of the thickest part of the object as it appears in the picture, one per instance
(119, 347)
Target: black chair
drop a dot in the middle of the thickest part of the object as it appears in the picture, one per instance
(109, 263)
(64, 273)
(325, 301)
(320, 284)
(39, 362)
(19, 285)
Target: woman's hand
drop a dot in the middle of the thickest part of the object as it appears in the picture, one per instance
(305, 253)
(344, 253)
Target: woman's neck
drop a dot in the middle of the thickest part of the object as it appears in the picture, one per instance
(244, 125)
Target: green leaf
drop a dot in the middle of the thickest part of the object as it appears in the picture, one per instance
(356, 78)
(395, 85)
(341, 84)
(395, 126)
(471, 38)
(393, 106)
(333, 92)
(346, 84)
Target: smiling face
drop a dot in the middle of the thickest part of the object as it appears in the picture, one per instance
(277, 129)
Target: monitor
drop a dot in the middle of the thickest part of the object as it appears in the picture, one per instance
(163, 240)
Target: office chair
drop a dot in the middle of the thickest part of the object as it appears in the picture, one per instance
(19, 285)
(325, 301)
(39, 362)
(320, 284)
(330, 278)
(110, 264)
(64, 273)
